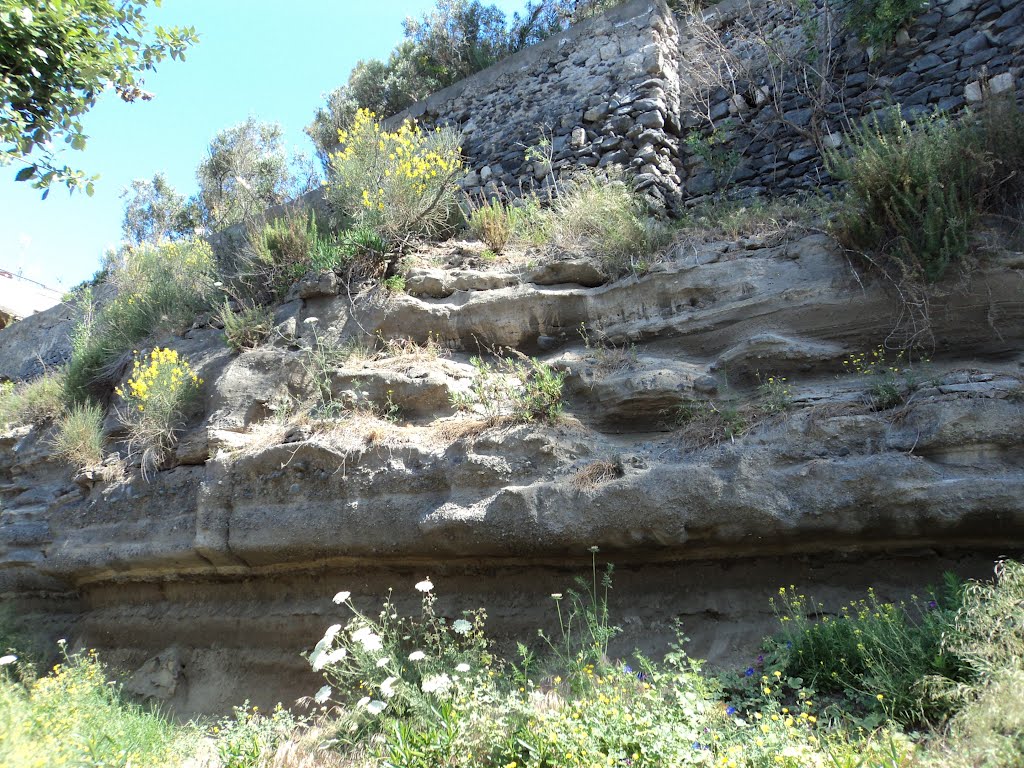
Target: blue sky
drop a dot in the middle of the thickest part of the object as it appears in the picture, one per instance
(266, 58)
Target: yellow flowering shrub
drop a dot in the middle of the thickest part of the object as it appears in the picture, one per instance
(160, 385)
(401, 183)
(158, 288)
(73, 717)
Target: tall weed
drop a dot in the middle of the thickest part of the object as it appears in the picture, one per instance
(916, 194)
(159, 288)
(604, 217)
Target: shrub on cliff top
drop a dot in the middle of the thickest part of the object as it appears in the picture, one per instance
(159, 288)
(402, 183)
(878, 21)
(915, 195)
(601, 215)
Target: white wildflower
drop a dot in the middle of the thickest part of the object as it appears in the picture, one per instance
(335, 656)
(342, 597)
(462, 668)
(322, 695)
(438, 684)
(417, 656)
(362, 702)
(461, 626)
(375, 707)
(371, 642)
(360, 633)
(332, 630)
(425, 586)
(382, 662)
(8, 659)
(386, 687)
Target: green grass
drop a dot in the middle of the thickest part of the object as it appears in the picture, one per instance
(158, 289)
(73, 718)
(916, 194)
(37, 402)
(79, 436)
(423, 689)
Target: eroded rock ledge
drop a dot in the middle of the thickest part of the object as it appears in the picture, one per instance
(221, 566)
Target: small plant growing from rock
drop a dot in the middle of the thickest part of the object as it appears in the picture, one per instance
(248, 327)
(888, 379)
(775, 394)
(161, 385)
(609, 357)
(79, 436)
(492, 224)
(518, 390)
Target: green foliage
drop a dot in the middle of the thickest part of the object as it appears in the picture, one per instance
(879, 654)
(714, 150)
(988, 636)
(55, 61)
(249, 737)
(394, 284)
(605, 217)
(877, 21)
(159, 288)
(155, 396)
(916, 194)
(36, 402)
(246, 170)
(248, 327)
(79, 436)
(403, 184)
(154, 212)
(393, 666)
(518, 389)
(73, 717)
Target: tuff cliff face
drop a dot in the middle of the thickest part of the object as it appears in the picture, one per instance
(707, 488)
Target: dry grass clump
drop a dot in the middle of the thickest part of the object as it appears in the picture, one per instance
(604, 217)
(772, 220)
(594, 474)
(79, 437)
(36, 402)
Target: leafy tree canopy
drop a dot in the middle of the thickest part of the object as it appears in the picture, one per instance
(247, 169)
(155, 212)
(456, 39)
(56, 58)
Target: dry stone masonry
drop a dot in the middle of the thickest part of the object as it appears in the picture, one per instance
(620, 89)
(605, 92)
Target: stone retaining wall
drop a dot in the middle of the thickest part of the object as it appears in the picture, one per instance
(605, 92)
(956, 54)
(619, 89)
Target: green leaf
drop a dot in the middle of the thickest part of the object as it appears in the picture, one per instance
(26, 173)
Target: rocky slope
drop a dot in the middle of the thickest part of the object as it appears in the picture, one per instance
(212, 576)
